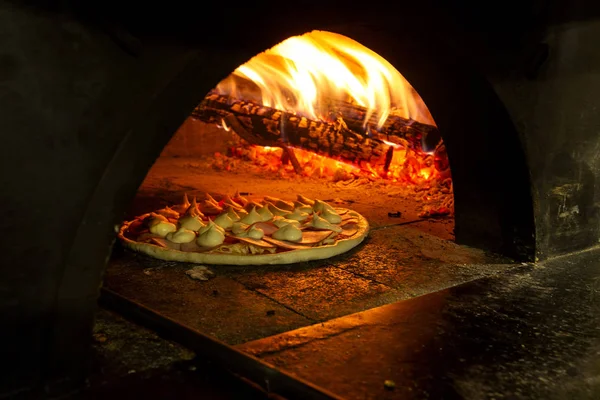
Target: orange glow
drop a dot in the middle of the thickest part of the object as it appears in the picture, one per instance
(305, 74)
(223, 125)
(407, 166)
(316, 75)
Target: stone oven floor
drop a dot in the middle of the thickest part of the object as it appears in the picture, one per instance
(532, 331)
(529, 333)
(244, 303)
(131, 362)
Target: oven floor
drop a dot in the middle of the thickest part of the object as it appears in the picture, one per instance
(529, 333)
(240, 303)
(131, 362)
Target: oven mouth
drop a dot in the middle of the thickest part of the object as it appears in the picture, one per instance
(244, 141)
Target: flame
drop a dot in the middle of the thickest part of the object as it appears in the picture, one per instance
(316, 75)
(223, 125)
(306, 74)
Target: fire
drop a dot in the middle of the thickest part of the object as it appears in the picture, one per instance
(304, 74)
(407, 166)
(315, 75)
(223, 125)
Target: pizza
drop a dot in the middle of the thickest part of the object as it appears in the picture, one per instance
(235, 230)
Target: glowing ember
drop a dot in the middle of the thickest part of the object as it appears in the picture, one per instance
(407, 166)
(304, 73)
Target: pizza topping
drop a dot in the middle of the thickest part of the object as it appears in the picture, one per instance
(255, 233)
(192, 218)
(265, 213)
(285, 244)
(239, 227)
(240, 231)
(154, 219)
(288, 232)
(276, 210)
(232, 214)
(321, 223)
(281, 222)
(297, 216)
(239, 199)
(321, 206)
(331, 216)
(224, 221)
(341, 211)
(259, 243)
(191, 222)
(228, 201)
(231, 204)
(210, 207)
(305, 200)
(210, 199)
(168, 212)
(210, 225)
(302, 207)
(349, 230)
(271, 199)
(252, 204)
(210, 236)
(193, 209)
(249, 248)
(314, 237)
(267, 227)
(181, 208)
(284, 205)
(247, 231)
(162, 228)
(252, 217)
(182, 235)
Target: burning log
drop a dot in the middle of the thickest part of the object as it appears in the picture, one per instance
(288, 154)
(395, 129)
(265, 126)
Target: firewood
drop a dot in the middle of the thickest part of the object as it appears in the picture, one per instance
(288, 153)
(396, 129)
(265, 126)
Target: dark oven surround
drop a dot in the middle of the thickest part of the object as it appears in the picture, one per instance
(112, 88)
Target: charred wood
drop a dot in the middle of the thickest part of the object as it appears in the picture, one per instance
(396, 129)
(288, 155)
(343, 138)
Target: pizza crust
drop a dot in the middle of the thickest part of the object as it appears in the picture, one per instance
(286, 257)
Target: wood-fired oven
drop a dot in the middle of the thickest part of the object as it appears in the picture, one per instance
(108, 114)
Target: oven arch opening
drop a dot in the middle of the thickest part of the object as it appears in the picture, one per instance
(492, 195)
